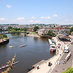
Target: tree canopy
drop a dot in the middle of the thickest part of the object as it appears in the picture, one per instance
(25, 29)
(9, 28)
(50, 33)
(35, 28)
(71, 29)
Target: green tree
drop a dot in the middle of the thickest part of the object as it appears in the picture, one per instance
(25, 29)
(9, 28)
(35, 28)
(5, 36)
(69, 70)
(50, 33)
(71, 29)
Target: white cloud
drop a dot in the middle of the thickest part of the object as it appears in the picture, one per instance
(20, 18)
(55, 15)
(3, 19)
(42, 17)
(45, 17)
(34, 21)
(8, 6)
(48, 17)
(31, 20)
(33, 17)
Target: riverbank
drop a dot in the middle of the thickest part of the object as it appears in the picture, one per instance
(43, 65)
(33, 35)
(3, 41)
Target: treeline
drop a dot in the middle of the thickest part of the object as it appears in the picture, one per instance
(10, 29)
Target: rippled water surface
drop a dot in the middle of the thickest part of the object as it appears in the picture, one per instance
(35, 50)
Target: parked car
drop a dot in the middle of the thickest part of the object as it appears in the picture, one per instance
(66, 49)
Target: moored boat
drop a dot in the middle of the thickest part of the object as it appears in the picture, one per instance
(52, 45)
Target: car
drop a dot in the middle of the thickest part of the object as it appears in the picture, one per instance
(66, 49)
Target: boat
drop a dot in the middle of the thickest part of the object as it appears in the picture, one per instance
(11, 46)
(23, 45)
(52, 45)
(5, 66)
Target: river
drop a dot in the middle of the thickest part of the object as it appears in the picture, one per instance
(36, 49)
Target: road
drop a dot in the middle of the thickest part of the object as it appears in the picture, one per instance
(59, 68)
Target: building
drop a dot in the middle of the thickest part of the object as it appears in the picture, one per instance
(42, 31)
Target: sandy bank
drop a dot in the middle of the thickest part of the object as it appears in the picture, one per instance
(33, 35)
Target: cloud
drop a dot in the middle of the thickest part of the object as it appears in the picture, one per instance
(48, 17)
(55, 15)
(42, 17)
(45, 17)
(8, 6)
(3, 19)
(33, 17)
(20, 18)
(34, 21)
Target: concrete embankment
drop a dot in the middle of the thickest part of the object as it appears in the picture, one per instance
(43, 65)
(3, 41)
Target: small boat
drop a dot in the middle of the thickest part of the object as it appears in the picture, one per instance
(5, 66)
(22, 45)
(11, 46)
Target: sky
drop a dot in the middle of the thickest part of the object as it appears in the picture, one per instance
(36, 11)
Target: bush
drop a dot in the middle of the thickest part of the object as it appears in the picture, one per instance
(69, 70)
(5, 36)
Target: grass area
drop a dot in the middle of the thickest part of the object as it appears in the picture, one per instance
(33, 32)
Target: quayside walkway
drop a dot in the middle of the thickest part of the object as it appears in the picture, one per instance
(43, 65)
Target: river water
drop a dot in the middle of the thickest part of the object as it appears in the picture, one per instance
(36, 49)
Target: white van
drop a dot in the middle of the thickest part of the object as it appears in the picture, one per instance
(66, 49)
